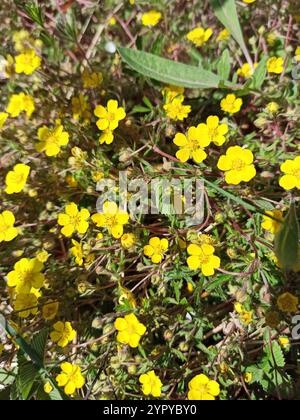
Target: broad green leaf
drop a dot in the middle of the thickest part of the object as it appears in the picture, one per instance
(259, 74)
(226, 12)
(168, 71)
(224, 65)
(27, 374)
(287, 240)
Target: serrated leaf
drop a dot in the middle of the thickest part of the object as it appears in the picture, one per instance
(27, 374)
(224, 65)
(226, 12)
(39, 342)
(287, 240)
(168, 71)
(276, 356)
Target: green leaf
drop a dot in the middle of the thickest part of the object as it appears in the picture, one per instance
(259, 74)
(39, 342)
(168, 71)
(226, 12)
(287, 240)
(224, 65)
(277, 356)
(27, 374)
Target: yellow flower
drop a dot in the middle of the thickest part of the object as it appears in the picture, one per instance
(112, 219)
(48, 388)
(97, 176)
(288, 303)
(22, 40)
(272, 107)
(7, 230)
(199, 36)
(26, 275)
(3, 118)
(190, 287)
(16, 180)
(112, 21)
(249, 1)
(213, 131)
(151, 384)
(176, 110)
(42, 256)
(91, 80)
(275, 65)
(191, 145)
(110, 116)
(283, 341)
(106, 137)
(77, 252)
(128, 240)
(81, 109)
(50, 309)
(231, 104)
(156, 249)
(51, 140)
(246, 71)
(27, 62)
(71, 181)
(151, 18)
(248, 377)
(238, 165)
(74, 220)
(130, 330)
(224, 35)
(291, 179)
(63, 333)
(19, 103)
(297, 54)
(270, 224)
(172, 92)
(246, 317)
(201, 388)
(26, 304)
(70, 378)
(202, 257)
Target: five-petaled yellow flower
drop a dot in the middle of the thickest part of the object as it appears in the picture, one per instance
(74, 220)
(275, 65)
(130, 330)
(110, 116)
(202, 257)
(199, 36)
(151, 384)
(291, 179)
(62, 333)
(191, 145)
(27, 62)
(272, 224)
(201, 388)
(70, 378)
(112, 219)
(7, 230)
(16, 180)
(176, 110)
(231, 104)
(19, 103)
(156, 249)
(238, 165)
(51, 139)
(288, 303)
(26, 275)
(213, 131)
(246, 70)
(26, 304)
(151, 18)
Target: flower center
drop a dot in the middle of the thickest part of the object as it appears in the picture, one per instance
(238, 164)
(111, 116)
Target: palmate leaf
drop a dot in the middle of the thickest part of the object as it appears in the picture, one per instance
(168, 71)
(226, 12)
